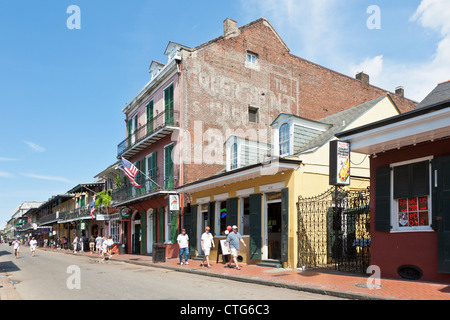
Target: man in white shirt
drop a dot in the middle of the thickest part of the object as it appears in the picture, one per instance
(33, 245)
(16, 245)
(183, 242)
(207, 242)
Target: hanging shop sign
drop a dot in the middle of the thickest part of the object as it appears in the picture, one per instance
(125, 213)
(339, 163)
(174, 204)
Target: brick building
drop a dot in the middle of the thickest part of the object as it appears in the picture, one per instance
(236, 84)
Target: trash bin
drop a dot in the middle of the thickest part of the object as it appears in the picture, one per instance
(122, 249)
(159, 252)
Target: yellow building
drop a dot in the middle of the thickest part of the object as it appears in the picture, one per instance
(261, 197)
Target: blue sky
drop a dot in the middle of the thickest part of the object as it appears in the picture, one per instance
(62, 90)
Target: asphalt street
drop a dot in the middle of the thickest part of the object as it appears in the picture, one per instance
(60, 276)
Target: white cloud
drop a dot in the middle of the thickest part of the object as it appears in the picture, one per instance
(419, 79)
(35, 146)
(371, 66)
(8, 159)
(5, 175)
(320, 36)
(311, 21)
(43, 177)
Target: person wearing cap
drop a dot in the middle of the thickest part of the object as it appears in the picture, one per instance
(207, 242)
(233, 239)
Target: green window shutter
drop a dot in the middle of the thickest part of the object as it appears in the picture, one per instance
(232, 211)
(383, 199)
(212, 217)
(150, 117)
(168, 105)
(255, 226)
(174, 226)
(154, 170)
(143, 177)
(285, 225)
(155, 239)
(144, 232)
(168, 168)
(192, 230)
(161, 225)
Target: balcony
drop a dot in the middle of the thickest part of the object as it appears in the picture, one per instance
(148, 189)
(163, 124)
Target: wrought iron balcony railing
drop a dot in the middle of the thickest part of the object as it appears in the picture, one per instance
(152, 127)
(129, 192)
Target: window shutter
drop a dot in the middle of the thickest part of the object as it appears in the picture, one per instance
(232, 211)
(161, 225)
(193, 230)
(150, 117)
(383, 199)
(144, 232)
(412, 180)
(420, 178)
(168, 166)
(284, 225)
(168, 104)
(255, 226)
(154, 170)
(212, 217)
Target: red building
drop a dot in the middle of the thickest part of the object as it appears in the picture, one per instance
(410, 189)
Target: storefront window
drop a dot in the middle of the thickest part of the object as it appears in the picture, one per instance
(223, 217)
(115, 227)
(411, 191)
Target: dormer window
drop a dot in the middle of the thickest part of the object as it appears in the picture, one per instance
(284, 139)
(252, 58)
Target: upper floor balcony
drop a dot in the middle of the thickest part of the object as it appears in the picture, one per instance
(162, 125)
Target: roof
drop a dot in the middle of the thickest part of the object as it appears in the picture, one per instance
(440, 94)
(80, 187)
(339, 121)
(222, 175)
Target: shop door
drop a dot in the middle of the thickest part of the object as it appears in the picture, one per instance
(441, 210)
(136, 239)
(274, 230)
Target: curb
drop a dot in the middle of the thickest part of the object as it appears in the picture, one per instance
(339, 294)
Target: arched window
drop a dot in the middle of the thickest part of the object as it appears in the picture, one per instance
(284, 139)
(234, 157)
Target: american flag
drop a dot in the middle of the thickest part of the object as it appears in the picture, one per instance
(92, 208)
(130, 170)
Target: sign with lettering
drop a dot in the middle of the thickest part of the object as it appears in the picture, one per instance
(339, 167)
(174, 204)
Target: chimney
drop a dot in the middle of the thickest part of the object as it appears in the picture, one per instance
(363, 77)
(229, 27)
(400, 91)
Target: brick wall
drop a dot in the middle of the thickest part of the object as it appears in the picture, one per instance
(219, 86)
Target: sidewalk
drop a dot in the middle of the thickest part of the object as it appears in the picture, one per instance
(334, 284)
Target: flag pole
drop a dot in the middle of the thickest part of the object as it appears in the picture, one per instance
(117, 167)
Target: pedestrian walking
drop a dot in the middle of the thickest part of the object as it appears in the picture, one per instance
(65, 243)
(81, 242)
(104, 247)
(16, 245)
(233, 240)
(183, 243)
(75, 244)
(33, 245)
(98, 244)
(109, 245)
(91, 244)
(206, 242)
